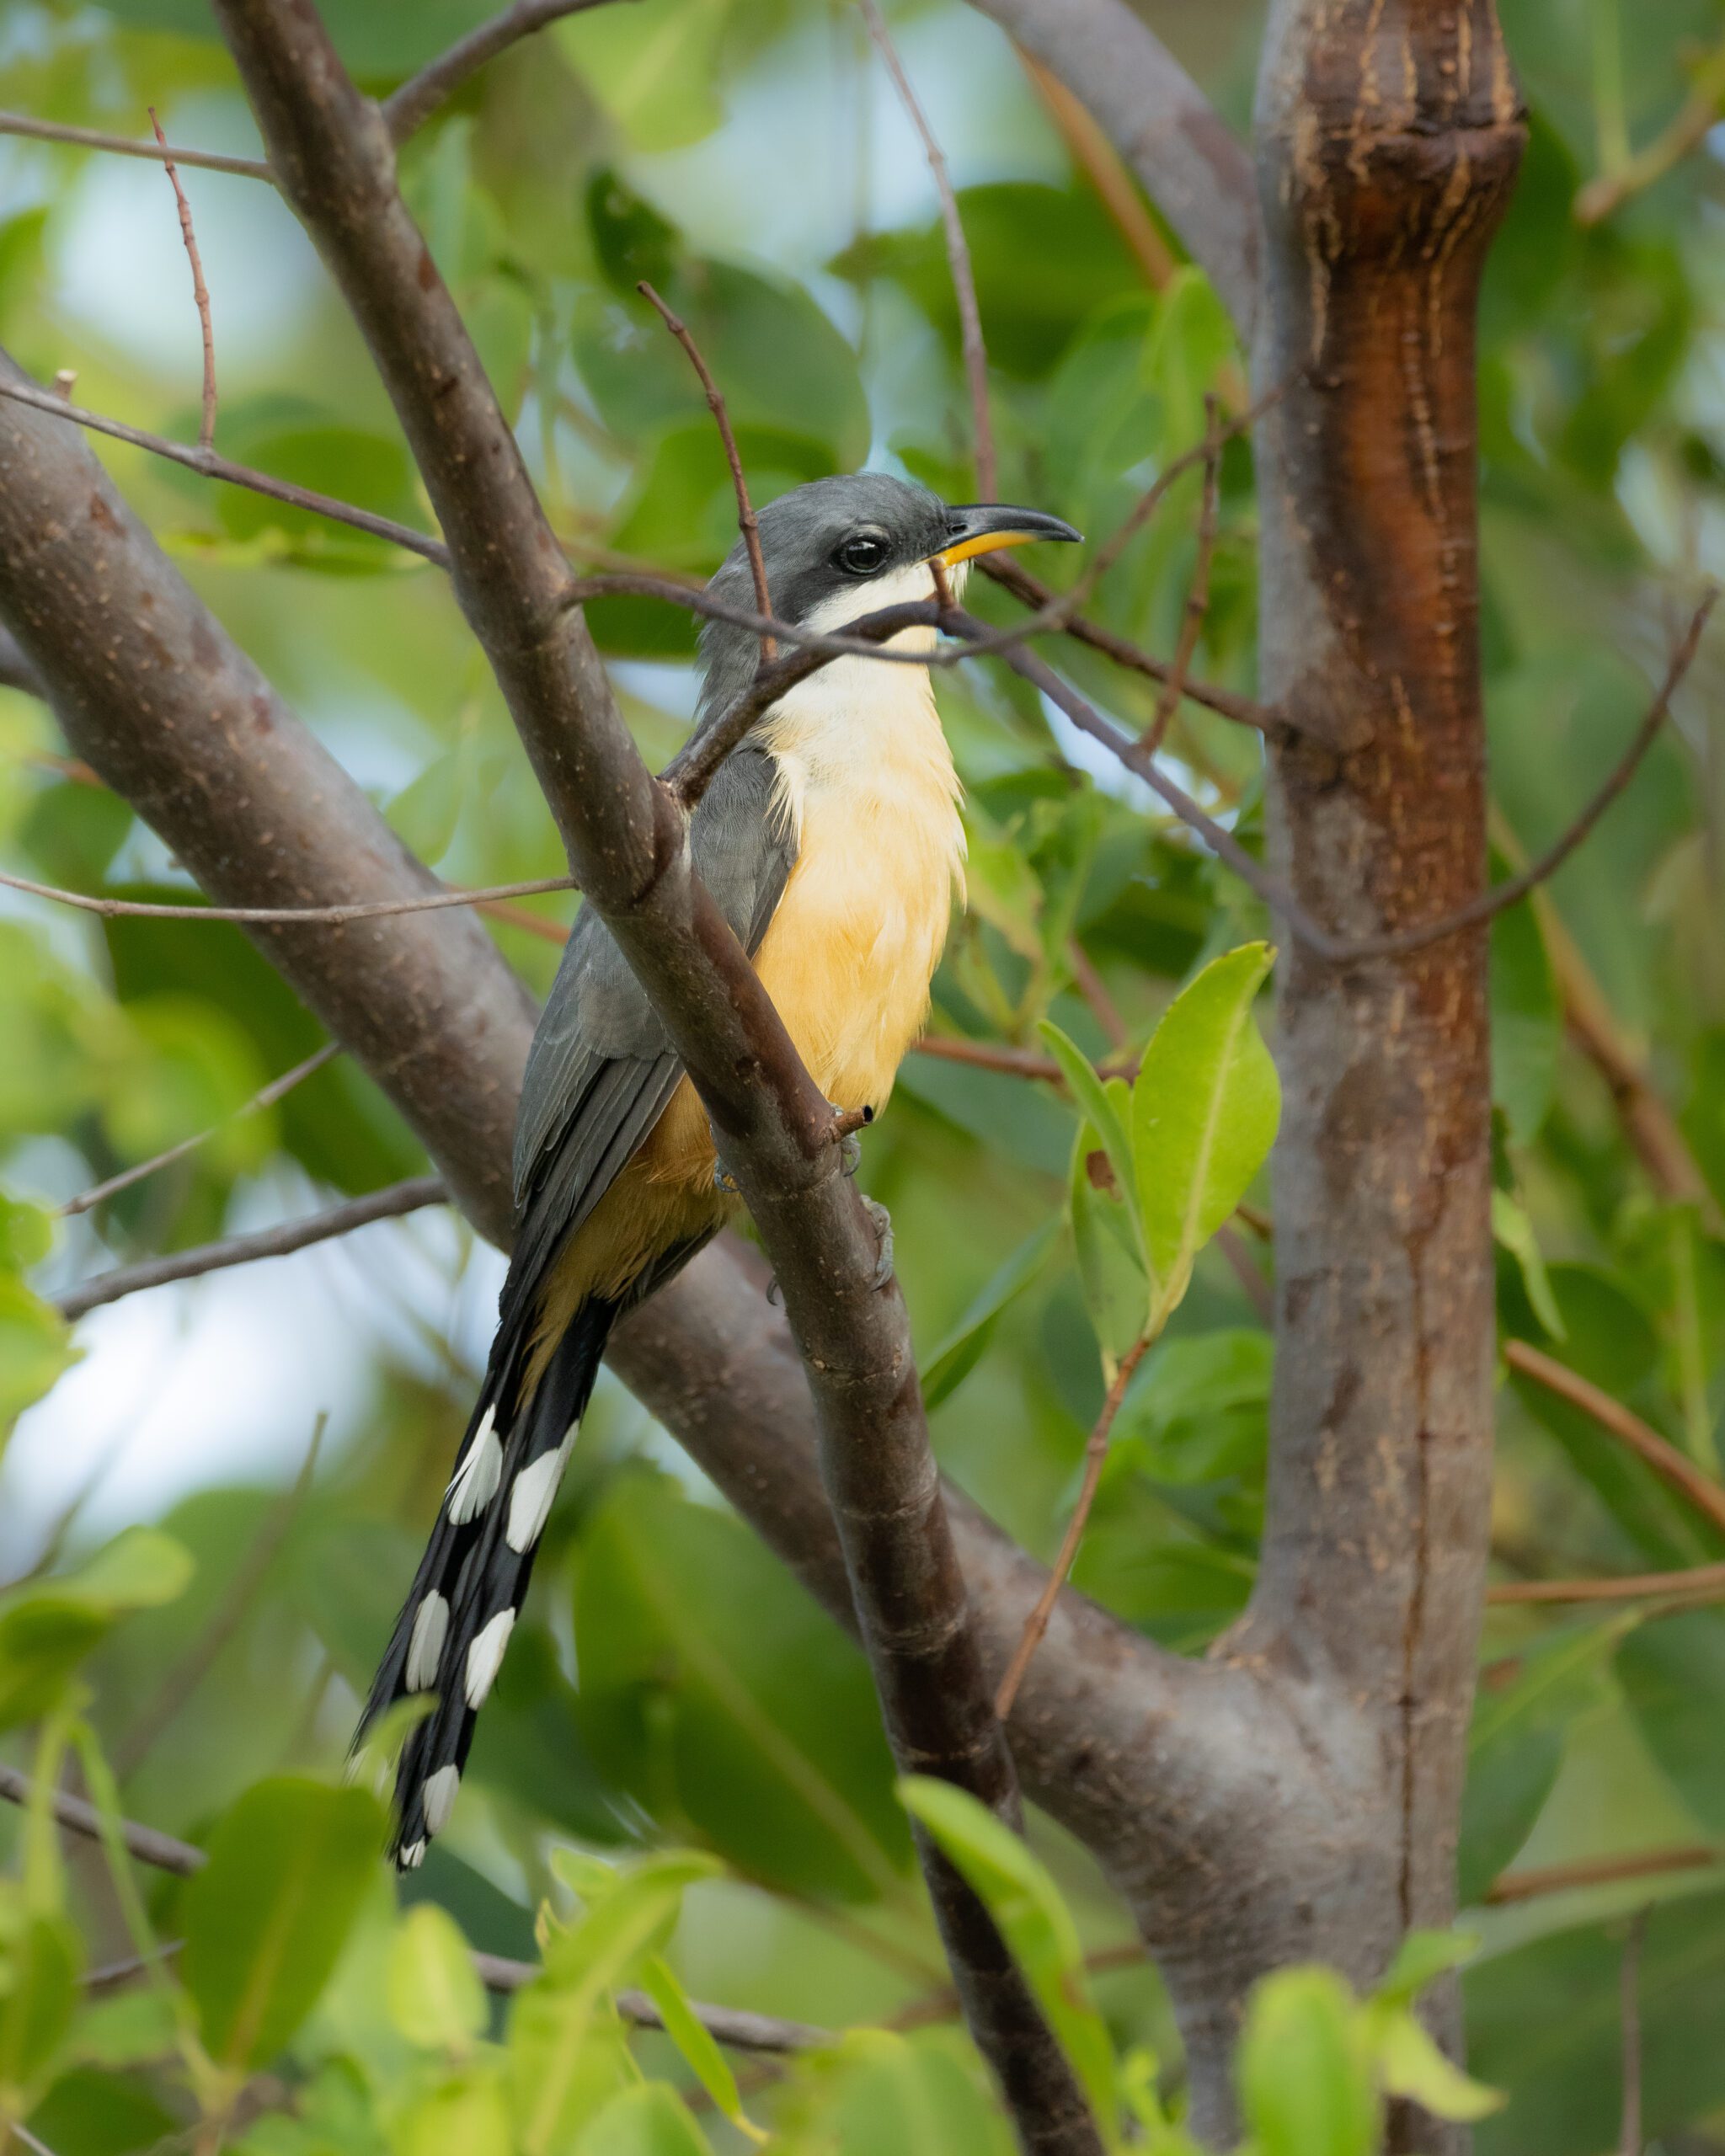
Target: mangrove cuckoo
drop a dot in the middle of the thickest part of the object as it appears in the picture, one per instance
(831, 840)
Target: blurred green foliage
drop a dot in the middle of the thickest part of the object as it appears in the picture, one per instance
(695, 1798)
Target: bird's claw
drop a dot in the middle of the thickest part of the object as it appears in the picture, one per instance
(723, 1180)
(883, 1224)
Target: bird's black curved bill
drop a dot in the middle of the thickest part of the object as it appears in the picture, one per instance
(980, 527)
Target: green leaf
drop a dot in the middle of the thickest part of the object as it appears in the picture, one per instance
(958, 1353)
(465, 2115)
(1034, 1920)
(707, 2062)
(1305, 2082)
(1513, 1230)
(1100, 1108)
(268, 1915)
(713, 1690)
(1420, 1959)
(1108, 1248)
(35, 1348)
(649, 2121)
(40, 1956)
(435, 1996)
(898, 2095)
(48, 1626)
(1412, 2065)
(1204, 1111)
(1522, 1715)
(1672, 1671)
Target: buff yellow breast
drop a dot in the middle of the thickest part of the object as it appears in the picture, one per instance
(865, 781)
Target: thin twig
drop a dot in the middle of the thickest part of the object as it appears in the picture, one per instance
(127, 145)
(975, 352)
(1699, 1583)
(265, 1097)
(408, 108)
(1096, 1453)
(1686, 132)
(1197, 607)
(1094, 989)
(212, 466)
(1668, 1463)
(182, 1680)
(1629, 1997)
(731, 2025)
(201, 294)
(1598, 1871)
(747, 523)
(1246, 1271)
(311, 916)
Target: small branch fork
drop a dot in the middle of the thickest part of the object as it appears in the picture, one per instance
(206, 425)
(747, 522)
(975, 352)
(1197, 605)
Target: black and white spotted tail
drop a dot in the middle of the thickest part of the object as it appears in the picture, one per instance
(472, 1580)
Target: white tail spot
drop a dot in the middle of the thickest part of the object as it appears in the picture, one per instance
(425, 1647)
(531, 1499)
(412, 1857)
(476, 1479)
(485, 1656)
(438, 1798)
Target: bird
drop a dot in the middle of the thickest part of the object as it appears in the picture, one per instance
(832, 841)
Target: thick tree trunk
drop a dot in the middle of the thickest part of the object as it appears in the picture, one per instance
(1388, 137)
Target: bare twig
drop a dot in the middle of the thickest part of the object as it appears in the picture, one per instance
(1686, 132)
(1197, 605)
(1101, 164)
(183, 1677)
(1246, 1271)
(1598, 1871)
(201, 294)
(125, 146)
(1699, 1583)
(281, 916)
(747, 522)
(728, 2025)
(1096, 1453)
(213, 465)
(1226, 703)
(266, 1097)
(1668, 1463)
(975, 352)
(409, 107)
(1629, 1995)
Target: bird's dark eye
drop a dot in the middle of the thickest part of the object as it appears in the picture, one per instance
(862, 554)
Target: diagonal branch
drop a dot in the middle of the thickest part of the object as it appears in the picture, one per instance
(387, 1205)
(409, 107)
(125, 146)
(626, 839)
(1163, 125)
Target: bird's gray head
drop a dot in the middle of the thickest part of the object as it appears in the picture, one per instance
(837, 549)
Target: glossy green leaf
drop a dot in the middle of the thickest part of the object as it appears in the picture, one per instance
(1107, 1244)
(467, 2114)
(47, 1626)
(435, 1996)
(1034, 1920)
(963, 1348)
(712, 1686)
(1514, 1231)
(688, 2032)
(1306, 2082)
(41, 1955)
(267, 1916)
(649, 2121)
(1204, 1110)
(1100, 1106)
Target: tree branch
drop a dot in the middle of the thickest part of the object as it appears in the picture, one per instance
(408, 108)
(1667, 1462)
(387, 1205)
(625, 835)
(200, 295)
(1597, 1871)
(1698, 1583)
(125, 145)
(1162, 125)
(975, 351)
(734, 2026)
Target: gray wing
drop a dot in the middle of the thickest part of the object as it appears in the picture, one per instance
(601, 1071)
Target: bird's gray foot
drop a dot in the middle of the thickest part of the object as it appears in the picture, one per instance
(723, 1180)
(846, 1122)
(882, 1221)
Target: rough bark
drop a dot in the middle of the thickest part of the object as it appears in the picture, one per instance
(1389, 133)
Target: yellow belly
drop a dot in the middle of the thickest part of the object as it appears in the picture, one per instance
(847, 959)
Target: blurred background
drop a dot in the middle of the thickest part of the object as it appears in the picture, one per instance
(289, 1426)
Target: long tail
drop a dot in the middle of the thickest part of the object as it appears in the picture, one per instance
(472, 1580)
